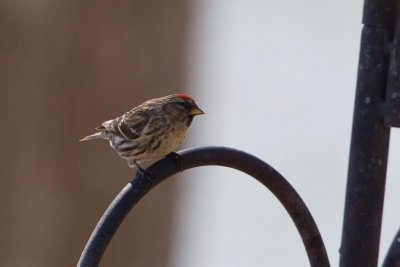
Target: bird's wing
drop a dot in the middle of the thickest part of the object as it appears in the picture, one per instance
(132, 123)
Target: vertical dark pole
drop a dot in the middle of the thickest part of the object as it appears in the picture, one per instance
(369, 141)
(392, 103)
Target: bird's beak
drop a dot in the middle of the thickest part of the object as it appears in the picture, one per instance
(196, 111)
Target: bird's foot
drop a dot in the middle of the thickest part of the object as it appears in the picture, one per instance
(143, 173)
(177, 158)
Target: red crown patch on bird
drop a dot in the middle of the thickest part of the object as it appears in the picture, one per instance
(183, 96)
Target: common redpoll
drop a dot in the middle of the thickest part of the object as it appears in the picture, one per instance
(151, 130)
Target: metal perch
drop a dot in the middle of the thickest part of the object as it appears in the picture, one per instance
(196, 157)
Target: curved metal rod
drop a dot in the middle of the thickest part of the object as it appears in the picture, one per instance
(202, 156)
(393, 256)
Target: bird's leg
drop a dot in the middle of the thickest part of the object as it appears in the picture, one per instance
(177, 158)
(142, 172)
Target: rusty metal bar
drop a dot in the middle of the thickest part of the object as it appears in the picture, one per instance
(369, 140)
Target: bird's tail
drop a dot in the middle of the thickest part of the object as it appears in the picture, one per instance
(99, 135)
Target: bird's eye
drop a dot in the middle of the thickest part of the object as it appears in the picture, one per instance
(182, 104)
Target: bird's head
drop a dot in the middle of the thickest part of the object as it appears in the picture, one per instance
(181, 106)
(186, 103)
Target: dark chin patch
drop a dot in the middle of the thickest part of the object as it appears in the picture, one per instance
(190, 119)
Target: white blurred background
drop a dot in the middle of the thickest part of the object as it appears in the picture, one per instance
(276, 79)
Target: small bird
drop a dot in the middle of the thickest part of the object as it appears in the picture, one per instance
(151, 130)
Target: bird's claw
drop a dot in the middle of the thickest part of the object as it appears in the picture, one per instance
(143, 173)
(177, 158)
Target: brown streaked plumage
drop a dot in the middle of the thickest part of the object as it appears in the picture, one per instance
(151, 130)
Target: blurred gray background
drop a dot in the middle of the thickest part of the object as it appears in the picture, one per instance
(275, 78)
